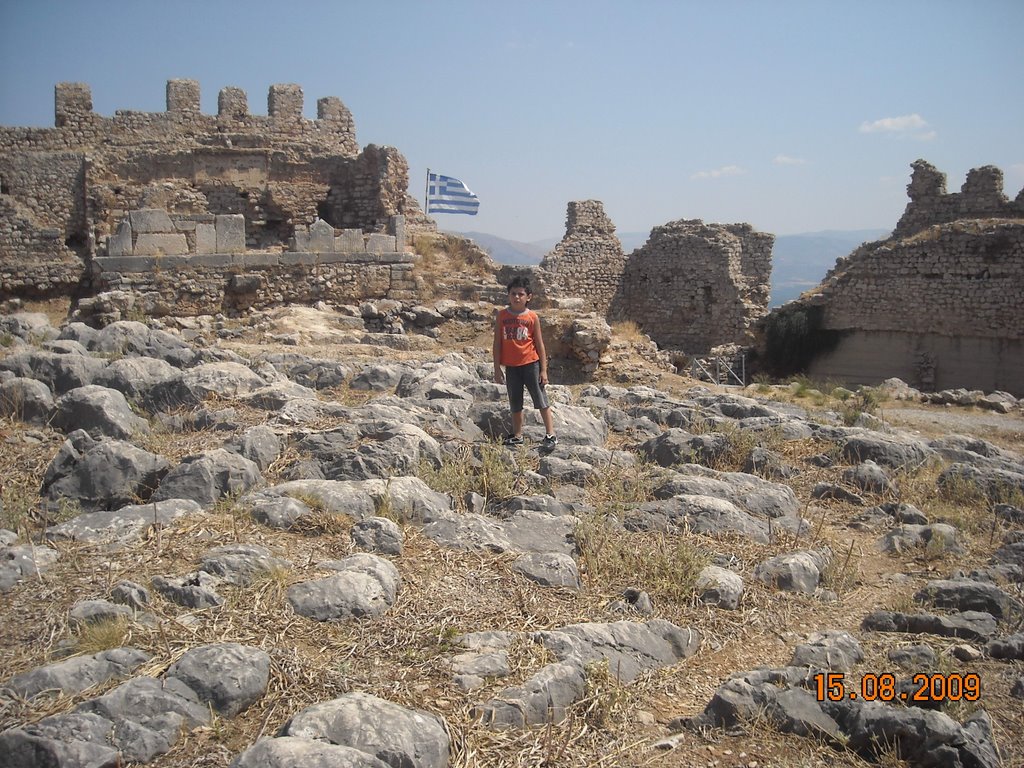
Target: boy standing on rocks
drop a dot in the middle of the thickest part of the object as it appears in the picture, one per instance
(519, 346)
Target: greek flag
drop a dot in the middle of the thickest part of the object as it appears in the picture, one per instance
(446, 194)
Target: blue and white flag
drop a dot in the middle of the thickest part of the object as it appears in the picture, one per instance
(446, 194)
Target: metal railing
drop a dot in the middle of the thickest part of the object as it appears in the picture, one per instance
(719, 370)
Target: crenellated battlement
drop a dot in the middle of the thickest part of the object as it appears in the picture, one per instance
(64, 190)
(980, 197)
(285, 102)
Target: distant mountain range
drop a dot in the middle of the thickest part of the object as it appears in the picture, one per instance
(799, 262)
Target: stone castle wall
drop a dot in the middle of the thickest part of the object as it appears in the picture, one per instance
(694, 286)
(981, 197)
(588, 263)
(63, 190)
(691, 287)
(939, 304)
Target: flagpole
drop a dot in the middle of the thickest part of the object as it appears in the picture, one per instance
(426, 192)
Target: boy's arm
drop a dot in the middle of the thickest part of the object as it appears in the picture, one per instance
(538, 343)
(499, 375)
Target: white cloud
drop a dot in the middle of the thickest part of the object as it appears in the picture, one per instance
(726, 170)
(787, 160)
(913, 126)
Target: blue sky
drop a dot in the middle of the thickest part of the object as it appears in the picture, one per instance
(791, 115)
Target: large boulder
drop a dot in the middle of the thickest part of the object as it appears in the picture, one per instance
(100, 411)
(396, 735)
(207, 477)
(102, 474)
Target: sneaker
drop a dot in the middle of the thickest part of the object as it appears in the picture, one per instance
(513, 440)
(548, 443)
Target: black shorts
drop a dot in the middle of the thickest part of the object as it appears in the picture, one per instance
(519, 376)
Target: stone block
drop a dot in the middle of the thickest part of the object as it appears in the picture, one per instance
(321, 237)
(186, 224)
(290, 259)
(333, 258)
(206, 238)
(230, 233)
(350, 241)
(398, 230)
(159, 244)
(377, 243)
(150, 220)
(120, 243)
(183, 96)
(250, 260)
(215, 260)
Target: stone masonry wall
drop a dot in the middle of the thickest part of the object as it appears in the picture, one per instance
(964, 278)
(199, 264)
(941, 302)
(588, 262)
(694, 286)
(981, 197)
(63, 190)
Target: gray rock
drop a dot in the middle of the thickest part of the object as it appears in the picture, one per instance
(886, 450)
(104, 474)
(703, 514)
(995, 483)
(567, 471)
(965, 595)
(26, 400)
(78, 673)
(366, 586)
(98, 612)
(969, 625)
(913, 657)
(242, 564)
(207, 477)
(147, 715)
(1017, 691)
(628, 647)
(676, 446)
(22, 562)
(549, 569)
(291, 752)
(529, 531)
(936, 538)
(760, 497)
(100, 411)
(836, 493)
(61, 373)
(377, 534)
(768, 464)
(259, 444)
(379, 378)
(1010, 647)
(195, 385)
(279, 512)
(230, 677)
(396, 735)
(544, 698)
(195, 590)
(926, 738)
(794, 572)
(129, 593)
(869, 477)
(830, 649)
(124, 526)
(131, 338)
(718, 586)
(311, 372)
(61, 741)
(137, 377)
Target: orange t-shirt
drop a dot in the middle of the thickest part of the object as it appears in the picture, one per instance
(517, 335)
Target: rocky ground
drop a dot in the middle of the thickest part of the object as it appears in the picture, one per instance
(294, 540)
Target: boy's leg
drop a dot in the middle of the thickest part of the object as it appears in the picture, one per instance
(549, 425)
(514, 384)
